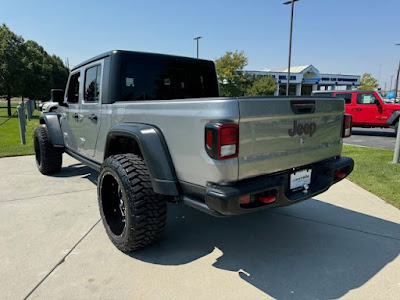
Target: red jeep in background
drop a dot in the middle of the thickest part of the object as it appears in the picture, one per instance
(367, 108)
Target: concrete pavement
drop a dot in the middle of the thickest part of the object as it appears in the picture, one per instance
(344, 243)
(383, 138)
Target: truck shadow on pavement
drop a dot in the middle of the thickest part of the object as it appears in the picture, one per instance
(78, 170)
(312, 250)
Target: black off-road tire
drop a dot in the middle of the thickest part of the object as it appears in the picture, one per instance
(124, 180)
(48, 157)
(396, 127)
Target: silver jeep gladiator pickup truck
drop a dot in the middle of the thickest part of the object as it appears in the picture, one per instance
(156, 130)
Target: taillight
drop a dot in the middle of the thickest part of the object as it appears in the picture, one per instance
(222, 140)
(209, 139)
(347, 120)
(340, 174)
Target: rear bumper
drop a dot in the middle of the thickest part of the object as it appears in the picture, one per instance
(224, 199)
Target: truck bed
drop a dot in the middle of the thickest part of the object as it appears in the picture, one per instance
(265, 144)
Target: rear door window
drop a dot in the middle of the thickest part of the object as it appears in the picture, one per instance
(347, 97)
(92, 84)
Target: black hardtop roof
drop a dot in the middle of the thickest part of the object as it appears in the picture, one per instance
(114, 52)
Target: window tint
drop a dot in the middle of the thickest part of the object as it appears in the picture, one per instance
(151, 77)
(347, 97)
(73, 88)
(92, 84)
(366, 99)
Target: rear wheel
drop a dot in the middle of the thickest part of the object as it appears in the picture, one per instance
(48, 157)
(133, 215)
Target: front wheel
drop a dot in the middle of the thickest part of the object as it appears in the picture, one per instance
(48, 157)
(133, 215)
(396, 127)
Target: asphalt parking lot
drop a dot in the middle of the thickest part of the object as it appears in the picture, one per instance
(344, 243)
(383, 138)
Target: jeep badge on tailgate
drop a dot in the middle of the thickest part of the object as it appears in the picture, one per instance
(307, 128)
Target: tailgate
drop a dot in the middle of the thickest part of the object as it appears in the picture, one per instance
(277, 134)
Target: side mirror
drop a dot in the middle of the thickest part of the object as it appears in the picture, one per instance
(377, 102)
(57, 95)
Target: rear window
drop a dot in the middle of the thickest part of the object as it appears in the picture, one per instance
(152, 77)
(347, 97)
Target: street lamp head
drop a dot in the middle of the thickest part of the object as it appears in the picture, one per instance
(289, 2)
(197, 38)
(397, 44)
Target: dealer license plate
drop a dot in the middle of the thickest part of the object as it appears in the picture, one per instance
(300, 179)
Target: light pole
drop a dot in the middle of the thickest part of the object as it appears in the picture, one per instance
(197, 42)
(397, 145)
(290, 44)
(397, 79)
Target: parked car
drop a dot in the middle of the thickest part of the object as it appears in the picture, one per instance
(53, 104)
(367, 108)
(156, 130)
(49, 106)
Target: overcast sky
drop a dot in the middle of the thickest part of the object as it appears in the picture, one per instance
(336, 36)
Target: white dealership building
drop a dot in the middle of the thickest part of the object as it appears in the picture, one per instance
(305, 79)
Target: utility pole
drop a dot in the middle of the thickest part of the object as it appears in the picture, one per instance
(397, 145)
(391, 79)
(397, 82)
(379, 74)
(66, 62)
(290, 44)
(197, 42)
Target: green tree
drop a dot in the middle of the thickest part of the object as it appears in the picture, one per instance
(42, 72)
(368, 82)
(60, 73)
(26, 69)
(10, 62)
(233, 81)
(37, 76)
(262, 86)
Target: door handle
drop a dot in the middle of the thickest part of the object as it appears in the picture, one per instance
(93, 118)
(358, 109)
(77, 117)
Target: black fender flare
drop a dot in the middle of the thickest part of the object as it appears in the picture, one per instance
(155, 152)
(394, 118)
(53, 126)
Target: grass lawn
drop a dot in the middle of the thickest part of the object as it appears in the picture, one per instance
(375, 172)
(10, 141)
